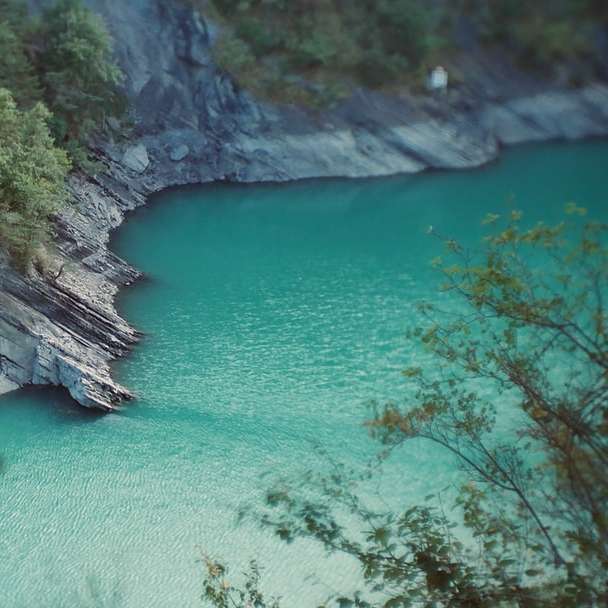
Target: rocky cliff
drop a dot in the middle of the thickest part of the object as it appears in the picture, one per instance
(193, 125)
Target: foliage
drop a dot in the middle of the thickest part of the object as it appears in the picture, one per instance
(64, 59)
(81, 80)
(544, 44)
(526, 330)
(407, 27)
(14, 15)
(388, 43)
(218, 590)
(32, 174)
(16, 70)
(232, 52)
(330, 42)
(545, 33)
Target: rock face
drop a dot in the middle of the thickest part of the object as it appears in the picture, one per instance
(193, 125)
(179, 153)
(136, 158)
(62, 328)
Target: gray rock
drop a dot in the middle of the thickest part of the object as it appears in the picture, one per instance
(508, 126)
(6, 385)
(136, 158)
(113, 123)
(179, 153)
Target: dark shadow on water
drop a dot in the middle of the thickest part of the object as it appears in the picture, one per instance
(55, 402)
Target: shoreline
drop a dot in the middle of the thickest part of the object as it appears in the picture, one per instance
(89, 380)
(194, 126)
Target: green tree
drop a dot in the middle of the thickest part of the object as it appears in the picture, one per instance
(16, 71)
(14, 14)
(545, 34)
(32, 178)
(409, 28)
(80, 77)
(526, 331)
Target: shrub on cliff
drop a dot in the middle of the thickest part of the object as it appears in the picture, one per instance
(319, 44)
(32, 179)
(543, 34)
(14, 14)
(81, 79)
(408, 28)
(17, 72)
(332, 44)
(65, 58)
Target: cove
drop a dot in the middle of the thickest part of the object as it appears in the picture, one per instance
(272, 315)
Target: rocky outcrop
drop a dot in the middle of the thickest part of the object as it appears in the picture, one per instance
(136, 158)
(179, 153)
(193, 125)
(60, 327)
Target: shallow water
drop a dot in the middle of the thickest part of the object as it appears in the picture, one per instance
(272, 315)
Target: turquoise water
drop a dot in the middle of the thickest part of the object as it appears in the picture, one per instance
(272, 315)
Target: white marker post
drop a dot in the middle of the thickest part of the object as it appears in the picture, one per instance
(438, 80)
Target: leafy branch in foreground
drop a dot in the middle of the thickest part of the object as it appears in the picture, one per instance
(221, 593)
(517, 393)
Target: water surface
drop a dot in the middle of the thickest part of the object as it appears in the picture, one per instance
(272, 315)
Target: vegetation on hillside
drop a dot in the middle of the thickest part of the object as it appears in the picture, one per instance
(528, 332)
(544, 33)
(314, 51)
(58, 84)
(79, 76)
(32, 179)
(17, 73)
